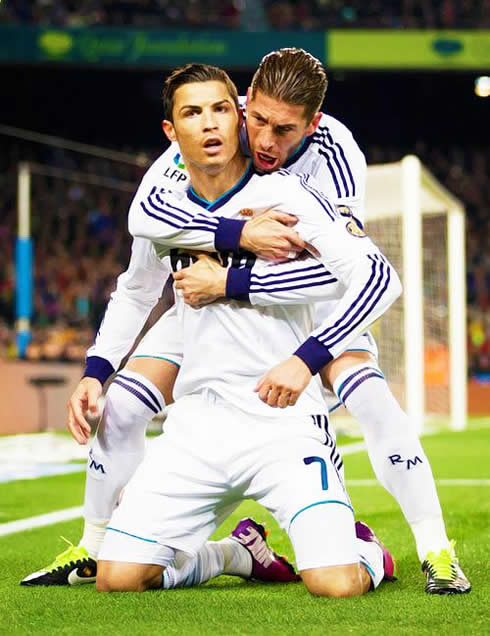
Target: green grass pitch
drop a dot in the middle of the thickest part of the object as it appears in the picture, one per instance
(231, 606)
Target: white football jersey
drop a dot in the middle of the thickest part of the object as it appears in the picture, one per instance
(330, 154)
(229, 345)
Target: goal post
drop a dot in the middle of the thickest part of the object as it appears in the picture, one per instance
(420, 226)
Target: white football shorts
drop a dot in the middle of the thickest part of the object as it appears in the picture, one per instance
(163, 340)
(211, 457)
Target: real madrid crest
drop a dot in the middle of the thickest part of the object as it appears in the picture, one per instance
(344, 210)
(355, 228)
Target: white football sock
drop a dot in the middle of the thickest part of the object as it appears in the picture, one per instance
(119, 445)
(213, 559)
(93, 536)
(396, 453)
(371, 557)
(238, 560)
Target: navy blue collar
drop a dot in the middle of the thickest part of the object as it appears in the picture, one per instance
(220, 201)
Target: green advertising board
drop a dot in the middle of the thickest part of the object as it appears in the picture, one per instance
(347, 49)
(130, 47)
(376, 49)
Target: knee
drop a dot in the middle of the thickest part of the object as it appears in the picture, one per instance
(127, 577)
(113, 584)
(110, 583)
(334, 582)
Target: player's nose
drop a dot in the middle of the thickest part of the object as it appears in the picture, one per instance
(209, 121)
(266, 142)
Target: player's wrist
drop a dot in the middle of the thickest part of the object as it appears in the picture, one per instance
(238, 283)
(314, 354)
(228, 235)
(98, 368)
(220, 283)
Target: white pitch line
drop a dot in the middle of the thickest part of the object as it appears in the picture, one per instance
(40, 520)
(355, 447)
(72, 513)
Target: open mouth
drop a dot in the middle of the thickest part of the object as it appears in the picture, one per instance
(212, 145)
(263, 161)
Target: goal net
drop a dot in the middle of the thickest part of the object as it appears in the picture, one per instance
(419, 225)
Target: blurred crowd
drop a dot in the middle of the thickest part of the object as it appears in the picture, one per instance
(82, 244)
(251, 15)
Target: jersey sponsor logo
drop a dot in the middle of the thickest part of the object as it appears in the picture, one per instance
(180, 259)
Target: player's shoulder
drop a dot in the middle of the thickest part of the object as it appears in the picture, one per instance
(277, 181)
(330, 131)
(288, 183)
(167, 171)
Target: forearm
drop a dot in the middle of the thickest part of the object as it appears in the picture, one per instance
(123, 321)
(138, 289)
(298, 282)
(375, 286)
(163, 219)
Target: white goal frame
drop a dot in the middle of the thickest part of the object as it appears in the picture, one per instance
(407, 189)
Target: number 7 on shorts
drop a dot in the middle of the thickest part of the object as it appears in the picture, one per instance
(323, 469)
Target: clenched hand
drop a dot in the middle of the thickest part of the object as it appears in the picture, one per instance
(202, 283)
(270, 236)
(284, 383)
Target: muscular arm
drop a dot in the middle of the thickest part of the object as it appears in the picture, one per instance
(162, 216)
(297, 282)
(137, 291)
(371, 285)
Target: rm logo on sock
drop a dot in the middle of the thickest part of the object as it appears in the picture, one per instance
(397, 459)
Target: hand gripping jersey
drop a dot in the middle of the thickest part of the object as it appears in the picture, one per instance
(229, 345)
(330, 154)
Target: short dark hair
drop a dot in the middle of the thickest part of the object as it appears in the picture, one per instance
(191, 74)
(293, 76)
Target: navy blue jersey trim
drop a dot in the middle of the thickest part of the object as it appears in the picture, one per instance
(224, 198)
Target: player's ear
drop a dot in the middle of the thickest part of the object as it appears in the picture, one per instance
(169, 130)
(248, 97)
(313, 125)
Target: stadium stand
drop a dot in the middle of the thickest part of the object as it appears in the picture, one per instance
(280, 15)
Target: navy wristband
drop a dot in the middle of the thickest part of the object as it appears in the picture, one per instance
(227, 235)
(238, 283)
(314, 354)
(98, 368)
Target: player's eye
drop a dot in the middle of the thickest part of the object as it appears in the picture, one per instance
(259, 120)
